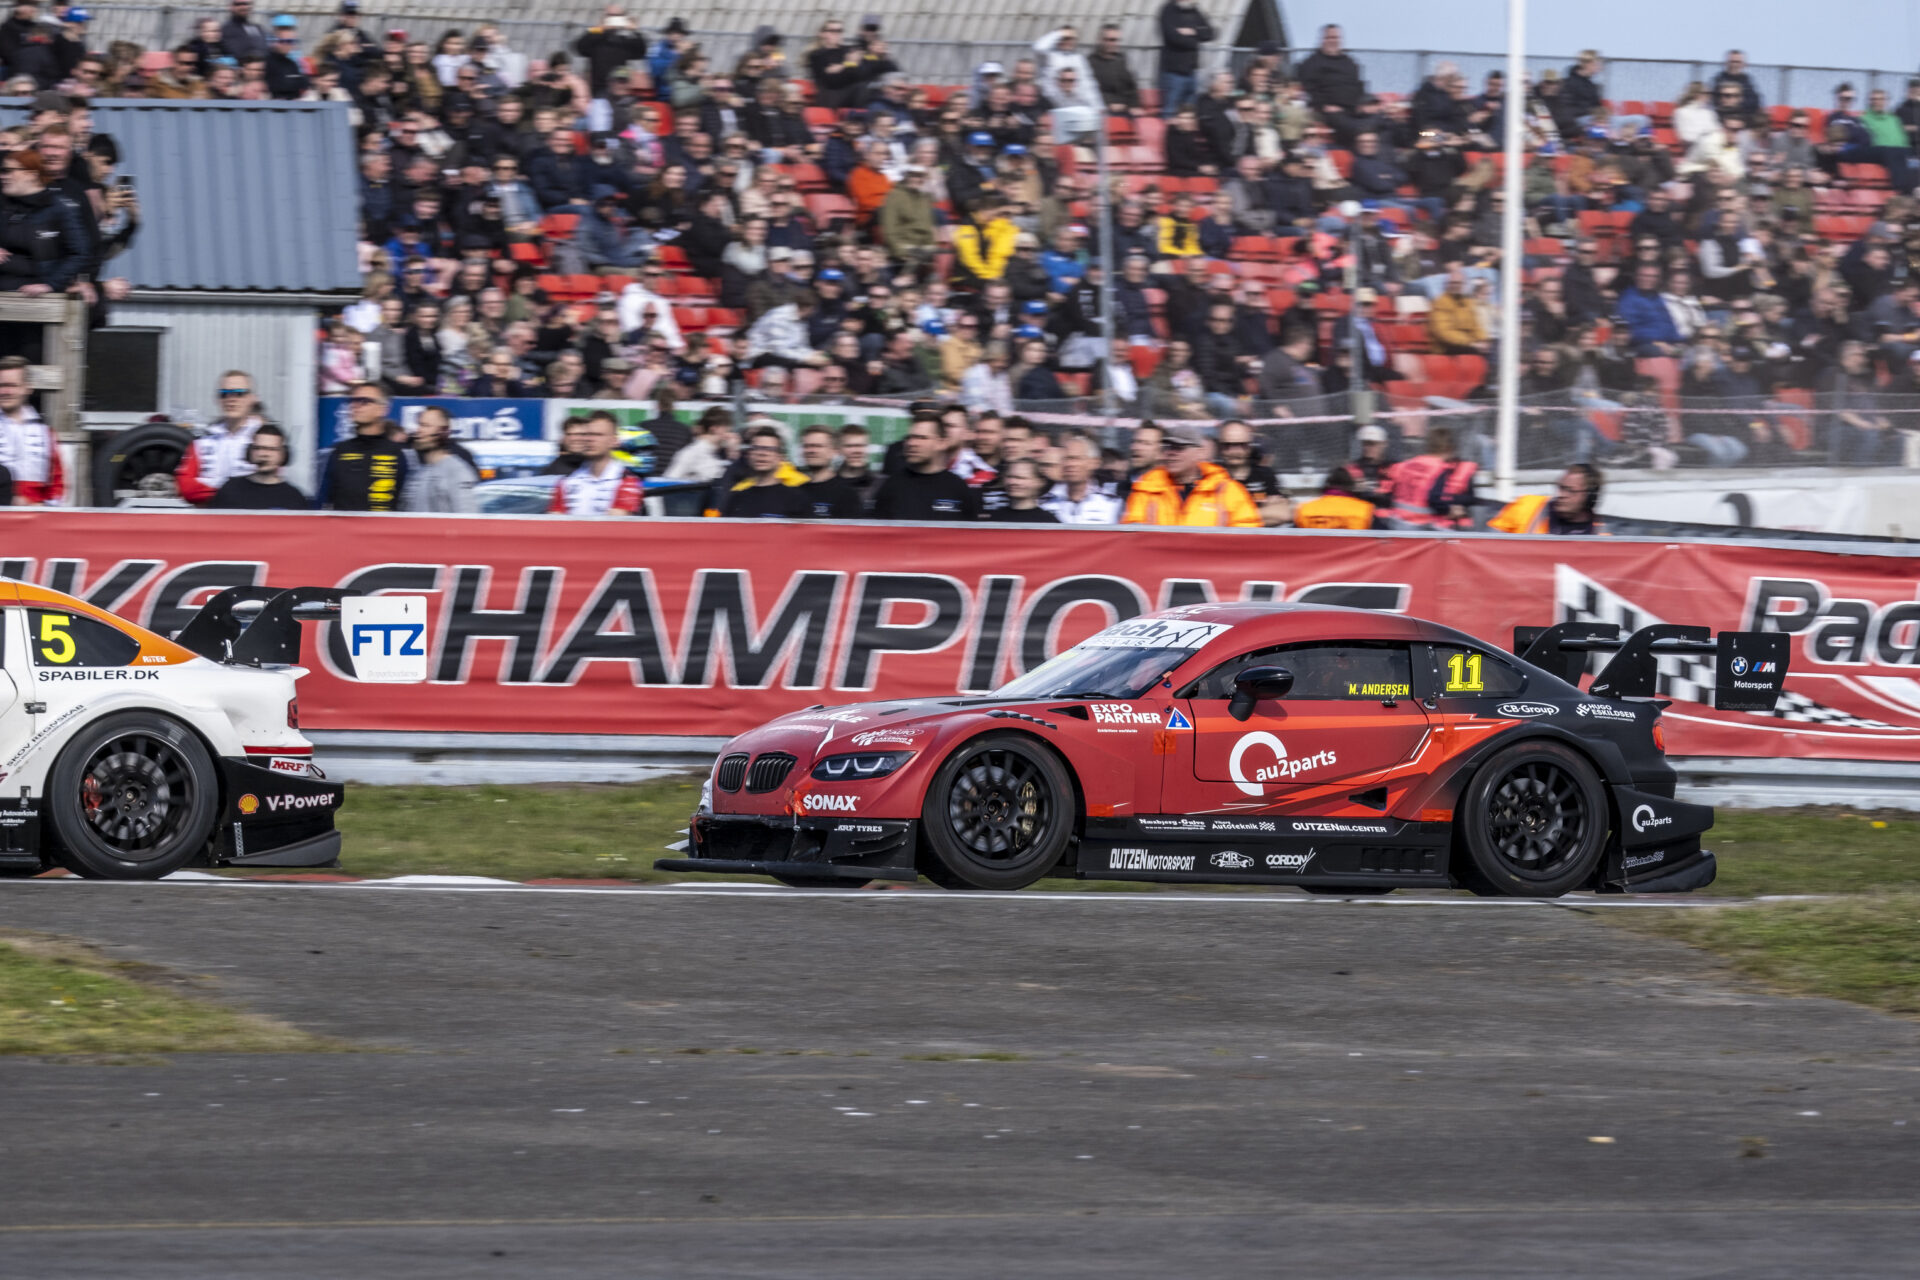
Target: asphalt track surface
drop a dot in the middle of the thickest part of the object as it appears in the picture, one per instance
(556, 1084)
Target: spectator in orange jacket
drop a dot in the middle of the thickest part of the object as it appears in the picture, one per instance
(1337, 507)
(1185, 490)
(868, 184)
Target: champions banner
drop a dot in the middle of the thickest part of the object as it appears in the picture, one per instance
(691, 627)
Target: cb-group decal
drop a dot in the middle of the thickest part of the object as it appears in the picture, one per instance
(1524, 710)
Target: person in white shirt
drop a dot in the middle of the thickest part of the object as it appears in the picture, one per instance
(601, 485)
(28, 449)
(1079, 498)
(220, 453)
(639, 306)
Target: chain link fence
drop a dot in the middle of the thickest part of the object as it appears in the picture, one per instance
(953, 62)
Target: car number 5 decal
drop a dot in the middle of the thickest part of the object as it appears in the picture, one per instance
(1463, 673)
(56, 643)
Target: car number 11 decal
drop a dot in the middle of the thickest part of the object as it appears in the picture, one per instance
(1463, 673)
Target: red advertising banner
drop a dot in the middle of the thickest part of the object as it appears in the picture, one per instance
(709, 627)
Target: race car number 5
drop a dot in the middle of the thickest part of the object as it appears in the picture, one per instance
(1463, 673)
(56, 643)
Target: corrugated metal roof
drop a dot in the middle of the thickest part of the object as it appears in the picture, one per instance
(256, 196)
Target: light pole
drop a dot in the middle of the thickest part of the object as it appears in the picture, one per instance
(1507, 416)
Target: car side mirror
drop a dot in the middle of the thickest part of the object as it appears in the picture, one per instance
(1255, 684)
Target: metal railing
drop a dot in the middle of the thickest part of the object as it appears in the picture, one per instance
(947, 61)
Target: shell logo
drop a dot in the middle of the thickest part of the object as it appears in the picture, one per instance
(249, 803)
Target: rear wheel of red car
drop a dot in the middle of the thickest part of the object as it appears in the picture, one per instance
(998, 814)
(132, 797)
(1533, 822)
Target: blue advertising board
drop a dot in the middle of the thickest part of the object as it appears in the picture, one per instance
(505, 437)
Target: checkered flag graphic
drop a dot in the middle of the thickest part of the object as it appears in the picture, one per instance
(1683, 677)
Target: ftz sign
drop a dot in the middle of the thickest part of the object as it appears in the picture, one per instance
(386, 638)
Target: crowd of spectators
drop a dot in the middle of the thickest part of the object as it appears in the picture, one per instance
(815, 223)
(1715, 280)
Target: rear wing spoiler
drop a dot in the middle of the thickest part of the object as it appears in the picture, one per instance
(251, 626)
(1749, 667)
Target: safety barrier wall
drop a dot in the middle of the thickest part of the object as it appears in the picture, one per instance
(690, 627)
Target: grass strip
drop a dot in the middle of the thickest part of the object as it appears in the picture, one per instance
(1863, 949)
(60, 997)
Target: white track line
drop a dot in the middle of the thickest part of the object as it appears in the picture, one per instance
(699, 889)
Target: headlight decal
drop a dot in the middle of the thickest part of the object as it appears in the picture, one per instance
(859, 766)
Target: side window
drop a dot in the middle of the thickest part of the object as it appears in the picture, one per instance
(1354, 672)
(1466, 673)
(58, 639)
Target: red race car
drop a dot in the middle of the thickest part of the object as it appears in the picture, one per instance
(1339, 750)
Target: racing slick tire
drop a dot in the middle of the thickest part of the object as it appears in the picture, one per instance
(998, 814)
(1533, 823)
(132, 797)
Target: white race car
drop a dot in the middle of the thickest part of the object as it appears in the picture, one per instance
(126, 755)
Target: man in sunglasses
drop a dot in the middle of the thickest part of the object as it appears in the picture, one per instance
(220, 453)
(367, 471)
(286, 77)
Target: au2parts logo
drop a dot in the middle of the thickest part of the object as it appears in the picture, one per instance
(1283, 767)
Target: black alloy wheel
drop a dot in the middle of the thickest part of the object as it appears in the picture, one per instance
(1534, 820)
(132, 797)
(998, 814)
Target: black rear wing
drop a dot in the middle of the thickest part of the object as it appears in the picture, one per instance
(258, 626)
(1749, 667)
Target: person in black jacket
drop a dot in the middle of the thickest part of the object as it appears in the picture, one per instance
(368, 470)
(612, 44)
(1183, 29)
(266, 489)
(240, 36)
(29, 47)
(1331, 78)
(924, 489)
(825, 495)
(46, 246)
(1580, 95)
(286, 76)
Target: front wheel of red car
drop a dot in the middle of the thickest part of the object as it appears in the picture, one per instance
(1534, 822)
(998, 814)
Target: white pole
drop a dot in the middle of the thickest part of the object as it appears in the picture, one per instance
(1507, 419)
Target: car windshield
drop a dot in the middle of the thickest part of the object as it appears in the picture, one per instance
(1124, 661)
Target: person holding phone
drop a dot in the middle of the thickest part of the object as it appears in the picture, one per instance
(266, 489)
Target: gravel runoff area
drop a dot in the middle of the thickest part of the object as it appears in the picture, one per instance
(756, 1084)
